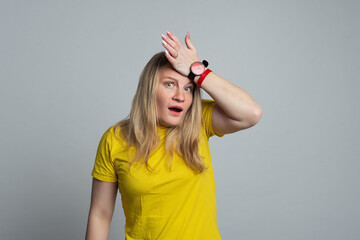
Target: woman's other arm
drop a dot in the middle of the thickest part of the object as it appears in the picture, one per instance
(235, 109)
(103, 197)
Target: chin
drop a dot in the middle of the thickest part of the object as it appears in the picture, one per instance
(170, 123)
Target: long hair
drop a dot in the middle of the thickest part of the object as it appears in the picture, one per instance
(139, 129)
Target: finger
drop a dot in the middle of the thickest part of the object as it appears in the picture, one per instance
(168, 41)
(173, 37)
(169, 58)
(188, 41)
(170, 50)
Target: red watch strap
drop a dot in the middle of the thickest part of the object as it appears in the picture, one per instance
(202, 77)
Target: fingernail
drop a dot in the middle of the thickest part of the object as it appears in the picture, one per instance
(164, 42)
(163, 36)
(166, 51)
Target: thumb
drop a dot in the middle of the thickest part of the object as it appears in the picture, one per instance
(188, 42)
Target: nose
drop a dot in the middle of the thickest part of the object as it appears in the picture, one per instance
(179, 95)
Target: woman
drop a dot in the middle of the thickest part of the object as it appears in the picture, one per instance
(159, 156)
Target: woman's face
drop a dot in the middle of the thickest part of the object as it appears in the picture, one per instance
(174, 97)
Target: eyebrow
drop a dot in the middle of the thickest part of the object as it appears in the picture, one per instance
(189, 82)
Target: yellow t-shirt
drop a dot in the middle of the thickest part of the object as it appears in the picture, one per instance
(164, 204)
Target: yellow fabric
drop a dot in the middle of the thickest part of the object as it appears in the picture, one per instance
(163, 205)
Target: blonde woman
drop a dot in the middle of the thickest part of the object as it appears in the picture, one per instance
(159, 156)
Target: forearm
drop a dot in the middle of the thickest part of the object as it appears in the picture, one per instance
(98, 228)
(234, 101)
(236, 110)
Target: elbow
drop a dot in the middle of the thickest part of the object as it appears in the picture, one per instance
(253, 117)
(102, 214)
(256, 114)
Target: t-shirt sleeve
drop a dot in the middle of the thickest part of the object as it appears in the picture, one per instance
(104, 169)
(207, 109)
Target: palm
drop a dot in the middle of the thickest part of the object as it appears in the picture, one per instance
(179, 55)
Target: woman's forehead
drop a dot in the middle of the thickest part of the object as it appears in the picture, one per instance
(167, 72)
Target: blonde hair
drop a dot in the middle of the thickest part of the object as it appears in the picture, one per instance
(139, 129)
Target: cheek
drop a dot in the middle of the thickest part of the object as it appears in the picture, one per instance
(158, 105)
(160, 99)
(191, 98)
(189, 102)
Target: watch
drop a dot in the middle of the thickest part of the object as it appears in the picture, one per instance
(197, 68)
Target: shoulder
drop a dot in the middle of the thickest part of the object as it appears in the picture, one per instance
(108, 135)
(111, 138)
(208, 106)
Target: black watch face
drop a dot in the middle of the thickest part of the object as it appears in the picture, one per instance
(197, 68)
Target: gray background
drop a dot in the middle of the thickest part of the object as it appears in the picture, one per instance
(69, 70)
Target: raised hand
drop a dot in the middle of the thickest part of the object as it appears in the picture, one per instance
(179, 55)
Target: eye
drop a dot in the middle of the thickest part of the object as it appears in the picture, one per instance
(188, 89)
(169, 84)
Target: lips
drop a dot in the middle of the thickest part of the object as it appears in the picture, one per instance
(176, 109)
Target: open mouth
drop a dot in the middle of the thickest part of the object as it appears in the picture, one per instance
(175, 109)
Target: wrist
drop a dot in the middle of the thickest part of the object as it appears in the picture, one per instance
(197, 69)
(200, 79)
(196, 78)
